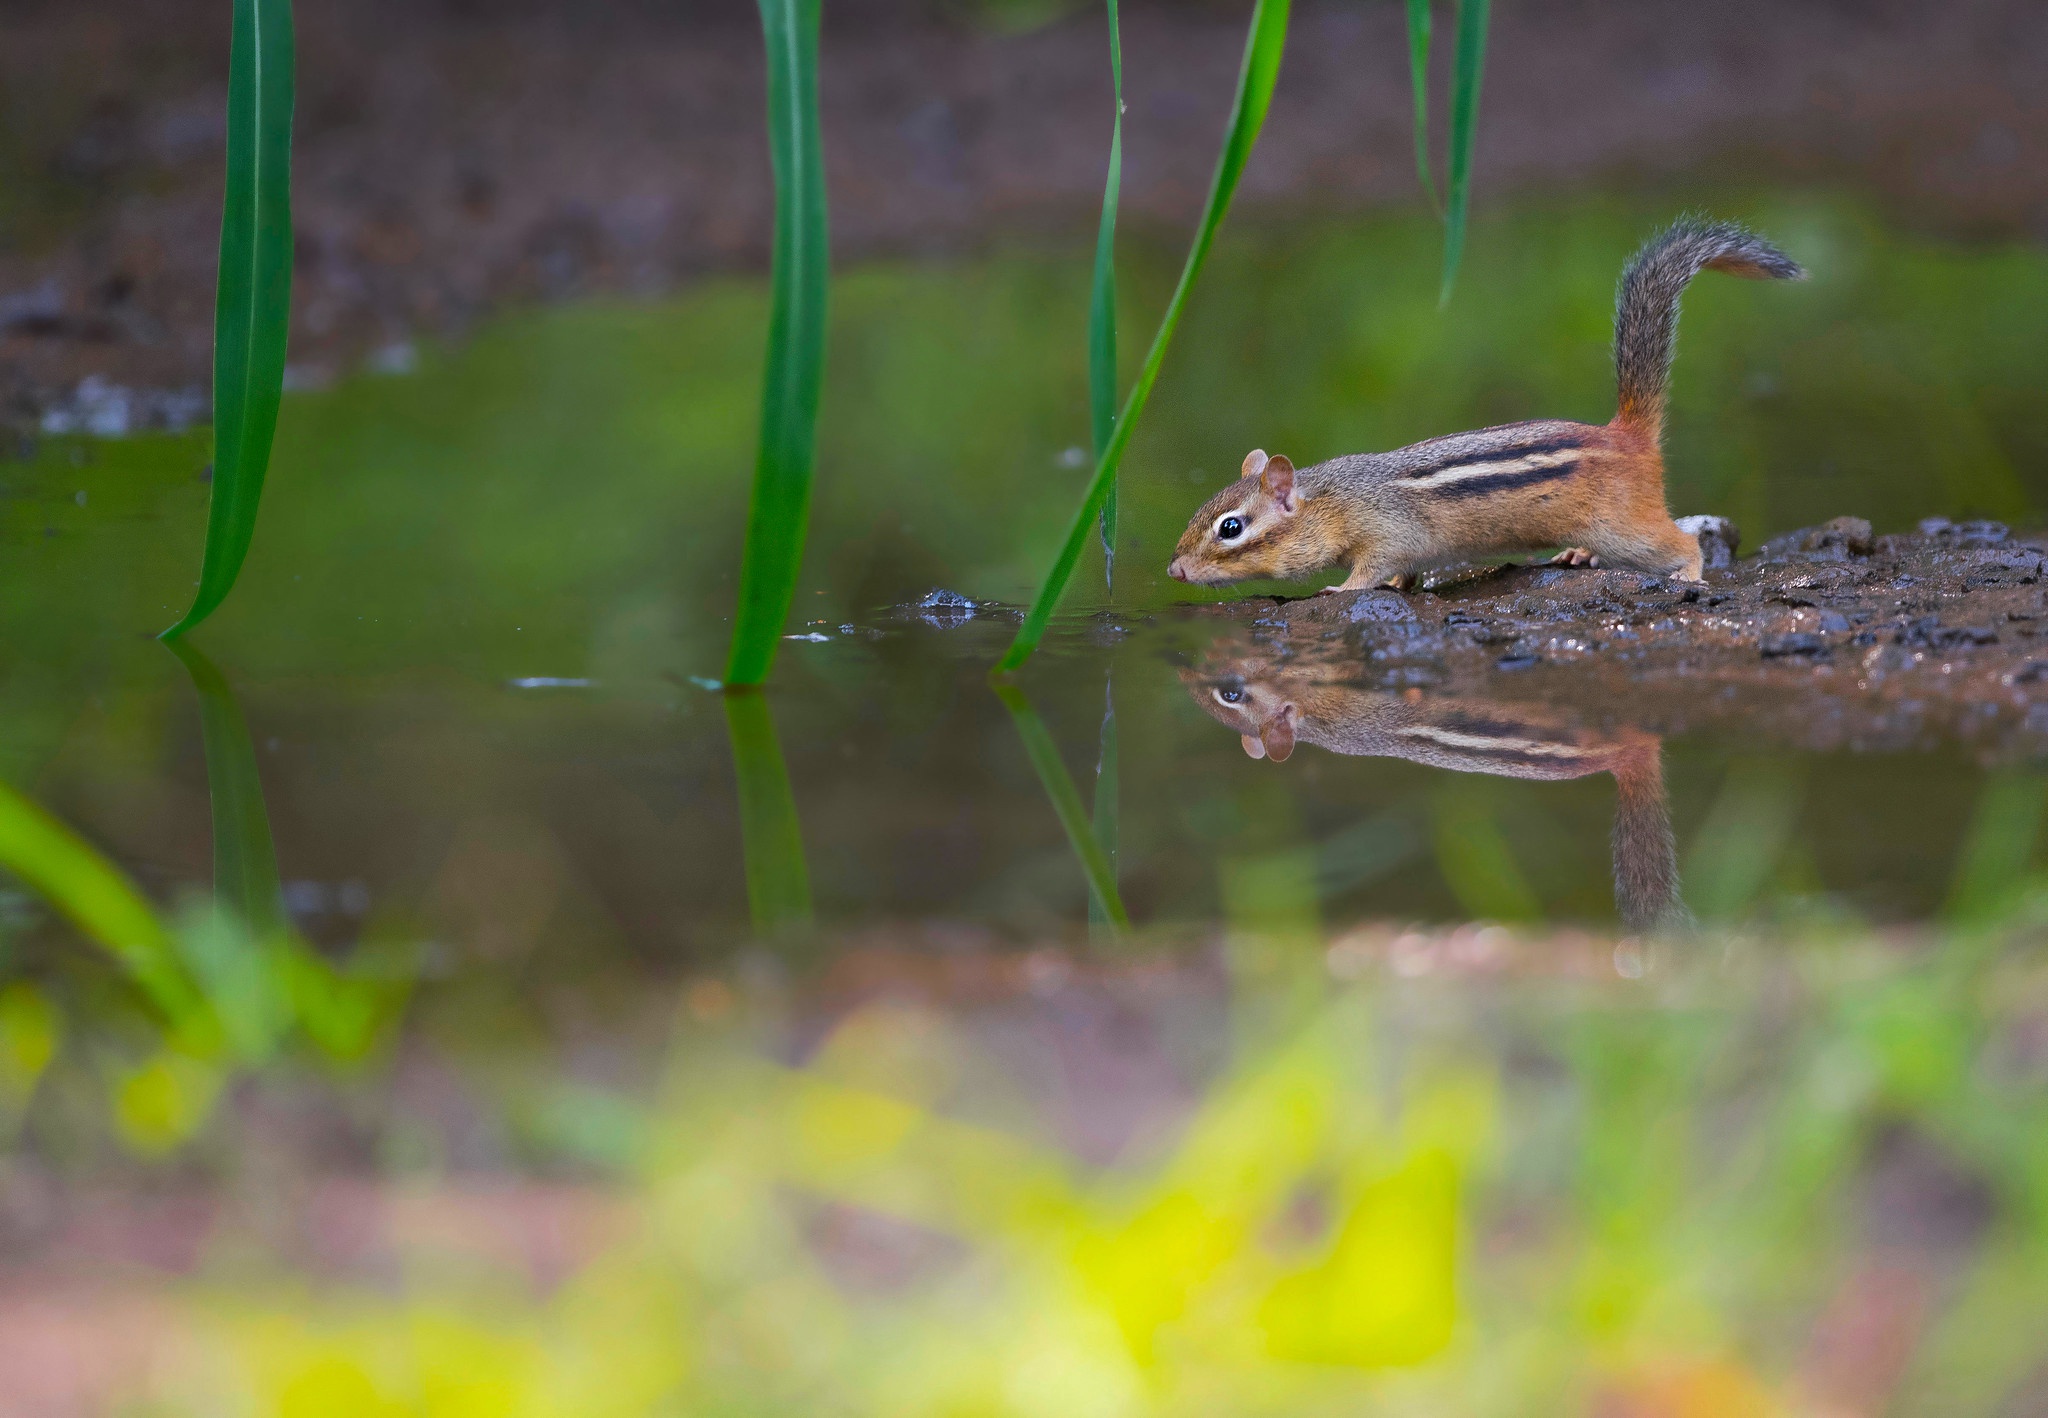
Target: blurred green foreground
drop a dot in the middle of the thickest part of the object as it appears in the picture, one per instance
(1467, 1171)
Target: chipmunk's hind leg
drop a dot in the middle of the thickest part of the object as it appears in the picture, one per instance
(1575, 556)
(1658, 547)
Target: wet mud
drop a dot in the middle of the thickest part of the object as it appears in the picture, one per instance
(1827, 638)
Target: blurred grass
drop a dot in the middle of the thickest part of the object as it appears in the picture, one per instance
(1471, 1183)
(1264, 42)
(799, 286)
(228, 977)
(93, 894)
(252, 315)
(1475, 858)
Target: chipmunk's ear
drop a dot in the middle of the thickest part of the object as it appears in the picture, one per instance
(1254, 462)
(1276, 735)
(1276, 479)
(1252, 747)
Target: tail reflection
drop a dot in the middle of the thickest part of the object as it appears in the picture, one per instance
(1274, 706)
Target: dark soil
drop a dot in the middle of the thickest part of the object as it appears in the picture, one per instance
(454, 157)
(1826, 639)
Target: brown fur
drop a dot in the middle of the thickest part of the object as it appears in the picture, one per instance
(1496, 491)
(1274, 707)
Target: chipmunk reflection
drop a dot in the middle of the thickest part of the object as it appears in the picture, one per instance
(1274, 706)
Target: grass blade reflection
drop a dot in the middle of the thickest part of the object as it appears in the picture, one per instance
(252, 306)
(245, 875)
(778, 879)
(1993, 866)
(1066, 804)
(1470, 66)
(1102, 303)
(257, 974)
(1476, 861)
(1261, 68)
(800, 283)
(1108, 807)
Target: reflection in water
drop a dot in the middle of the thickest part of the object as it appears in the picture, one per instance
(1096, 863)
(244, 855)
(778, 878)
(1274, 703)
(1108, 801)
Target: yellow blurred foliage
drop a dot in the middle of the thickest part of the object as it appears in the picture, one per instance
(1202, 1280)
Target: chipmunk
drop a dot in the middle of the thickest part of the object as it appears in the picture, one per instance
(1597, 492)
(1273, 705)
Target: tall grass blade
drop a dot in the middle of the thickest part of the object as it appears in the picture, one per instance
(1468, 69)
(1066, 803)
(245, 876)
(796, 342)
(1418, 78)
(98, 899)
(1108, 807)
(1263, 46)
(253, 301)
(778, 880)
(1102, 302)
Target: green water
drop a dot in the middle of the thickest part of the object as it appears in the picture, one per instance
(559, 500)
(509, 831)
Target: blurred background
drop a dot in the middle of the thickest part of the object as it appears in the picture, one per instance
(518, 1099)
(455, 156)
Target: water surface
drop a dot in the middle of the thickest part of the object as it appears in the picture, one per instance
(468, 650)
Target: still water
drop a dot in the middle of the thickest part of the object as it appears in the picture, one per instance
(536, 1107)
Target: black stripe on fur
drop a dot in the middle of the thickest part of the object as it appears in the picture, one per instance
(1499, 455)
(1501, 482)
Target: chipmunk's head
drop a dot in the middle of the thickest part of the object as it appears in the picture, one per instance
(1255, 528)
(1263, 711)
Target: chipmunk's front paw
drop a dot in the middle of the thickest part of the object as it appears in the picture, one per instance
(1575, 556)
(1405, 582)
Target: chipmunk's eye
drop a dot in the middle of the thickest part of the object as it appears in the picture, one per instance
(1233, 695)
(1230, 529)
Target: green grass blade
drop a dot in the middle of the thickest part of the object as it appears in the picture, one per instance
(1418, 78)
(1263, 46)
(1470, 66)
(245, 875)
(778, 880)
(253, 301)
(796, 342)
(98, 899)
(1102, 301)
(1066, 803)
(1108, 808)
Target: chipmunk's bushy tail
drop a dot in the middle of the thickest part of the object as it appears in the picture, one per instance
(1646, 308)
(1645, 853)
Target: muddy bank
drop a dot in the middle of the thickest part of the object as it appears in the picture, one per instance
(1827, 638)
(454, 159)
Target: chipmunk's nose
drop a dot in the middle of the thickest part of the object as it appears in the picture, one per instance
(1176, 570)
